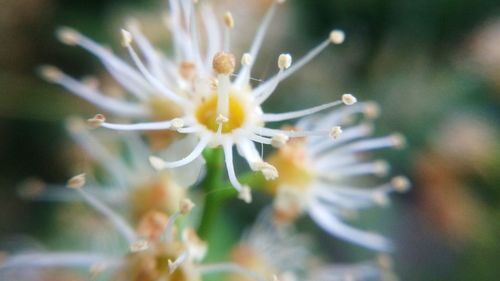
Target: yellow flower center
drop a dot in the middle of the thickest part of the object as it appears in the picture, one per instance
(291, 163)
(207, 114)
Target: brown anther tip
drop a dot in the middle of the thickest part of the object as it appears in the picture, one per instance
(186, 206)
(50, 73)
(76, 182)
(224, 63)
(96, 121)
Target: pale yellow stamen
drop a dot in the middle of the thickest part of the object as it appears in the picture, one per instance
(77, 181)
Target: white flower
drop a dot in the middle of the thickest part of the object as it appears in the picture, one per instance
(325, 178)
(281, 252)
(155, 252)
(215, 103)
(127, 180)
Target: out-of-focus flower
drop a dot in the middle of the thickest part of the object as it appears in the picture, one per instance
(155, 250)
(130, 181)
(282, 253)
(199, 83)
(326, 179)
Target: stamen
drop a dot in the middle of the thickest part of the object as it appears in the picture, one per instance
(337, 36)
(127, 40)
(186, 206)
(284, 62)
(122, 226)
(54, 75)
(147, 126)
(228, 157)
(348, 99)
(121, 71)
(401, 184)
(245, 194)
(269, 171)
(229, 24)
(160, 164)
(172, 266)
(275, 117)
(246, 59)
(279, 140)
(244, 74)
(335, 132)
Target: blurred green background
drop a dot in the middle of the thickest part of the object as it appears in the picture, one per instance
(433, 66)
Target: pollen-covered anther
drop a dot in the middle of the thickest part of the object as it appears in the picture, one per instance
(96, 121)
(401, 183)
(337, 36)
(77, 181)
(335, 132)
(68, 36)
(228, 19)
(224, 63)
(269, 171)
(126, 38)
(177, 123)
(246, 59)
(186, 206)
(279, 140)
(348, 99)
(245, 194)
(284, 61)
(50, 73)
(139, 246)
(221, 119)
(157, 163)
(398, 140)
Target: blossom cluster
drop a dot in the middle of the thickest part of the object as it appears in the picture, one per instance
(202, 102)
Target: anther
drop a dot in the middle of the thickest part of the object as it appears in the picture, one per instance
(68, 36)
(157, 163)
(269, 171)
(400, 184)
(50, 73)
(139, 246)
(246, 59)
(245, 194)
(186, 206)
(228, 20)
(126, 38)
(76, 182)
(284, 61)
(398, 140)
(337, 36)
(279, 140)
(348, 99)
(335, 132)
(96, 121)
(177, 123)
(224, 63)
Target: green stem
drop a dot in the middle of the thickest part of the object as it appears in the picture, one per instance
(212, 181)
(218, 190)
